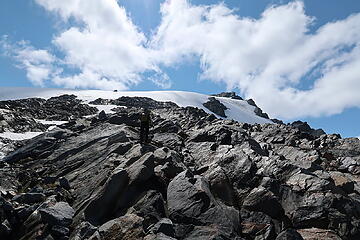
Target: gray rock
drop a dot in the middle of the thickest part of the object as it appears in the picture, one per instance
(260, 199)
(60, 214)
(126, 227)
(103, 205)
(190, 201)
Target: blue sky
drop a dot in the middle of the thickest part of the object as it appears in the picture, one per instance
(41, 29)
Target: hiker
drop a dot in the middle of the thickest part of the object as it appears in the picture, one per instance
(145, 122)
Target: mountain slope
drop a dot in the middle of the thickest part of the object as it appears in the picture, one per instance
(201, 177)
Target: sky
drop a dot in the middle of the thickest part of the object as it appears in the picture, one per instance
(296, 59)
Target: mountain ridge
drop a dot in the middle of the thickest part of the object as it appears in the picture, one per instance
(201, 177)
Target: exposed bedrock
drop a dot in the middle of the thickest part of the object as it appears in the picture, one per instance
(199, 178)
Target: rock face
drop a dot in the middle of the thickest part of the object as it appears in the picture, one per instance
(231, 95)
(200, 178)
(215, 106)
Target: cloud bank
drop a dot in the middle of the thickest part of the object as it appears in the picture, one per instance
(271, 59)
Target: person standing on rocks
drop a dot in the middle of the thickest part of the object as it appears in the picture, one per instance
(145, 121)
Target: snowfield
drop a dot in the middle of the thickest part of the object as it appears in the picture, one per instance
(238, 110)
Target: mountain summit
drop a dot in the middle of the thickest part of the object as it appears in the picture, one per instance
(214, 169)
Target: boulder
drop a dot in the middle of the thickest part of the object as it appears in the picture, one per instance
(60, 214)
(125, 227)
(190, 201)
(103, 205)
(260, 199)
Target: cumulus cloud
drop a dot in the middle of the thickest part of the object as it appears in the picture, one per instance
(103, 45)
(268, 58)
(38, 63)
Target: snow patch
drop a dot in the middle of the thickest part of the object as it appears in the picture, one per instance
(238, 110)
(46, 122)
(105, 108)
(19, 136)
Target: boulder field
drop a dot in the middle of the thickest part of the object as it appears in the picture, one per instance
(199, 178)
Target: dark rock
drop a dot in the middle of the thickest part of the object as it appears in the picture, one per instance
(304, 127)
(190, 201)
(125, 227)
(83, 231)
(5, 229)
(102, 116)
(258, 111)
(202, 173)
(263, 200)
(164, 226)
(151, 207)
(231, 95)
(289, 234)
(29, 198)
(216, 107)
(103, 205)
(59, 231)
(64, 183)
(60, 214)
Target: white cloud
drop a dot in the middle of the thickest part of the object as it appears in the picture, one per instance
(267, 58)
(38, 63)
(104, 45)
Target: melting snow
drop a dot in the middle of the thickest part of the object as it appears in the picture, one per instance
(19, 136)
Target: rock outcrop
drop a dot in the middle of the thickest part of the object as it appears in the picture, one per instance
(216, 107)
(199, 178)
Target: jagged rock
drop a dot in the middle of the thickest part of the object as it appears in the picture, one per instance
(164, 226)
(231, 95)
(258, 111)
(59, 231)
(83, 231)
(60, 214)
(304, 127)
(151, 207)
(102, 116)
(126, 227)
(60, 108)
(260, 199)
(105, 202)
(216, 107)
(190, 201)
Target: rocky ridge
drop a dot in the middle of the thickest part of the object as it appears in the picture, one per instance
(200, 178)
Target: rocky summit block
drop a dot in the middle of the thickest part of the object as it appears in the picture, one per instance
(199, 178)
